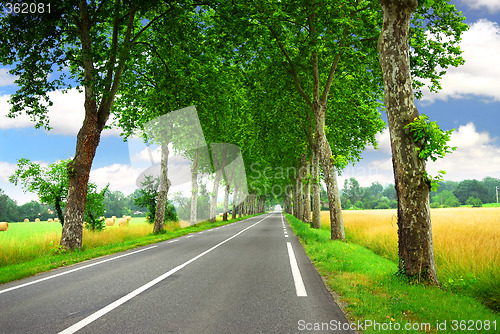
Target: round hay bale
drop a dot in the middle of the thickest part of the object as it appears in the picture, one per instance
(50, 220)
(26, 220)
(129, 218)
(4, 226)
(37, 220)
(110, 222)
(56, 220)
(122, 222)
(114, 217)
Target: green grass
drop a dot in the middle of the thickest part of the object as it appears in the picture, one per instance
(370, 291)
(37, 254)
(491, 205)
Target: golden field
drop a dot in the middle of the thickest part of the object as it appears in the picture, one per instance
(466, 240)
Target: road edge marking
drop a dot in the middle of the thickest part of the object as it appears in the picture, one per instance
(297, 277)
(73, 270)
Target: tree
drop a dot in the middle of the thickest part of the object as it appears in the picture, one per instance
(9, 211)
(149, 193)
(94, 208)
(49, 183)
(471, 188)
(474, 201)
(116, 204)
(416, 256)
(93, 39)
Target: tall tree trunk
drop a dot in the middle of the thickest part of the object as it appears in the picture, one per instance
(325, 151)
(59, 210)
(215, 192)
(316, 189)
(235, 206)
(416, 256)
(226, 202)
(194, 189)
(306, 210)
(161, 201)
(78, 170)
(95, 119)
(298, 201)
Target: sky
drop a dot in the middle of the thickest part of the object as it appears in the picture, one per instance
(469, 103)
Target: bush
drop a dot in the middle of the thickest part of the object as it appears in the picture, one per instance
(452, 202)
(475, 202)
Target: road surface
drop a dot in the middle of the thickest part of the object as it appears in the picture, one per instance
(247, 277)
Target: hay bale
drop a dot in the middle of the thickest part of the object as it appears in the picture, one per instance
(50, 220)
(37, 220)
(114, 217)
(56, 220)
(4, 226)
(122, 222)
(110, 222)
(124, 216)
(129, 218)
(26, 220)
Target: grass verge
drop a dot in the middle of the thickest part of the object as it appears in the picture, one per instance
(56, 258)
(371, 292)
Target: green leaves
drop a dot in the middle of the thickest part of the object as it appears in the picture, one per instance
(431, 140)
(431, 144)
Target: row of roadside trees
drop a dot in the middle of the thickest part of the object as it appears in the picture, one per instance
(294, 85)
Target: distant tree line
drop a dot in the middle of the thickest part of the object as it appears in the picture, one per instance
(116, 204)
(448, 194)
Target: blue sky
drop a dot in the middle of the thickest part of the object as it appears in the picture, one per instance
(468, 102)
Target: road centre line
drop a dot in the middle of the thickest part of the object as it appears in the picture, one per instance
(297, 277)
(73, 270)
(96, 315)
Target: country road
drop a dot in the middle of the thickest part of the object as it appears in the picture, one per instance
(247, 277)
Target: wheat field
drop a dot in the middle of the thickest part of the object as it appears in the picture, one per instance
(466, 240)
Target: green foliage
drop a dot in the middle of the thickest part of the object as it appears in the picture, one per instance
(431, 144)
(474, 188)
(149, 193)
(148, 197)
(431, 140)
(94, 208)
(49, 183)
(475, 202)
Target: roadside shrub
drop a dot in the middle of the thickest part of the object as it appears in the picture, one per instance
(475, 202)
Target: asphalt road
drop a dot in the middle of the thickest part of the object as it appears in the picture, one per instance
(247, 277)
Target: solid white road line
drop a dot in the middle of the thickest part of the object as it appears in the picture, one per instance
(73, 270)
(96, 315)
(297, 277)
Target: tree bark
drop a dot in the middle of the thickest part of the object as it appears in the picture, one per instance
(194, 189)
(161, 202)
(325, 152)
(306, 210)
(215, 192)
(416, 256)
(235, 200)
(316, 190)
(226, 202)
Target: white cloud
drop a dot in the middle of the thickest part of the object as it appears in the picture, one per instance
(6, 79)
(6, 170)
(120, 177)
(66, 115)
(477, 156)
(384, 142)
(491, 5)
(480, 75)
